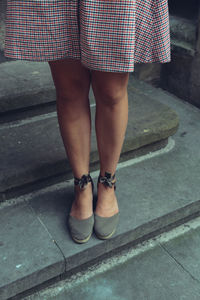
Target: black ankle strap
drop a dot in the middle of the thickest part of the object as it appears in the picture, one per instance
(83, 181)
(107, 180)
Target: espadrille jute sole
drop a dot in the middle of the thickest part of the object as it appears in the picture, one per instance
(105, 237)
(81, 241)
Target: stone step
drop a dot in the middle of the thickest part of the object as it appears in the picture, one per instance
(183, 36)
(24, 86)
(182, 48)
(183, 30)
(167, 264)
(33, 155)
(3, 58)
(155, 192)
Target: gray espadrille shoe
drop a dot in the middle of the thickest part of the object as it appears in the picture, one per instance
(105, 227)
(81, 230)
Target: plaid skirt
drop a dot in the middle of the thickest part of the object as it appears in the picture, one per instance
(106, 35)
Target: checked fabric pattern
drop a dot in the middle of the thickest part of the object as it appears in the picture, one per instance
(106, 35)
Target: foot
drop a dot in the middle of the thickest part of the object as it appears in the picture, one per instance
(82, 206)
(107, 205)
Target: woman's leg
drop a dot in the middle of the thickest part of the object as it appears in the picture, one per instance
(72, 83)
(110, 91)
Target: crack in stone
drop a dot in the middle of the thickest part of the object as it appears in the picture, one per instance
(187, 271)
(54, 241)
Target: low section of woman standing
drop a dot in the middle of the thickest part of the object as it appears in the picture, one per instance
(97, 43)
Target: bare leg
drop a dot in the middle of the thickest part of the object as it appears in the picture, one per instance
(72, 82)
(110, 91)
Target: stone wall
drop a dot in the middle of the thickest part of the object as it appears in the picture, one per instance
(2, 22)
(194, 96)
(2, 29)
(182, 75)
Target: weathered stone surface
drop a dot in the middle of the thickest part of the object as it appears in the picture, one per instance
(152, 194)
(154, 274)
(185, 249)
(28, 254)
(181, 75)
(176, 75)
(33, 150)
(195, 73)
(25, 84)
(149, 72)
(2, 23)
(182, 29)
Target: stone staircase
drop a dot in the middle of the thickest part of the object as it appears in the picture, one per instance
(157, 189)
(157, 175)
(32, 151)
(35, 169)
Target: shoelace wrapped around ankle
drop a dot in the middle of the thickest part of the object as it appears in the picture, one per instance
(83, 181)
(107, 179)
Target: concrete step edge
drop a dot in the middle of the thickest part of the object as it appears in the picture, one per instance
(118, 243)
(182, 47)
(127, 153)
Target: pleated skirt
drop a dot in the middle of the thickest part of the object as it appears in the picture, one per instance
(106, 35)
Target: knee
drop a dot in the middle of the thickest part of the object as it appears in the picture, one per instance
(110, 96)
(109, 88)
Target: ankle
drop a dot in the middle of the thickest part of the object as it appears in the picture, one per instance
(107, 180)
(83, 191)
(83, 182)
